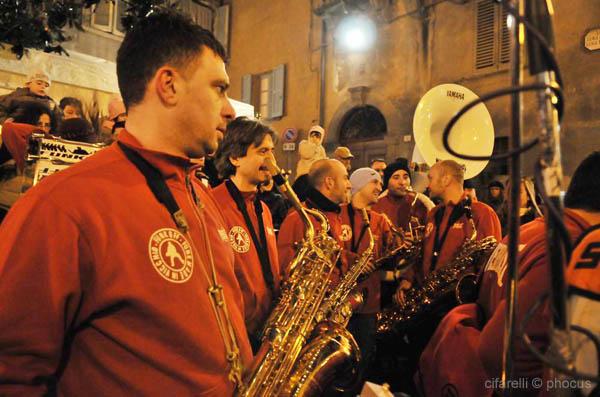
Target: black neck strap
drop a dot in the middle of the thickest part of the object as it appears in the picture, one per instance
(355, 244)
(158, 186)
(462, 208)
(261, 246)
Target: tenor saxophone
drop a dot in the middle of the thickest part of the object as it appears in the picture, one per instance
(440, 285)
(292, 324)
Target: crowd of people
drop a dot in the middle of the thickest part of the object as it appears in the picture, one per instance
(151, 267)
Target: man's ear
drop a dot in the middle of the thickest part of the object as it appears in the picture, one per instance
(329, 182)
(167, 84)
(446, 179)
(235, 161)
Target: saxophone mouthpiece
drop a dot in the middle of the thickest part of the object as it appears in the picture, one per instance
(275, 171)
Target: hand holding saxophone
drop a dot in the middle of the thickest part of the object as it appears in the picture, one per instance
(400, 295)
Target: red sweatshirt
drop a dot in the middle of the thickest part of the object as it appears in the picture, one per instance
(292, 232)
(15, 137)
(371, 287)
(486, 222)
(466, 349)
(258, 298)
(400, 210)
(97, 284)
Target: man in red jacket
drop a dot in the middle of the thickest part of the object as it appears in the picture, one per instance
(400, 204)
(465, 353)
(407, 210)
(240, 161)
(366, 188)
(329, 187)
(448, 224)
(131, 290)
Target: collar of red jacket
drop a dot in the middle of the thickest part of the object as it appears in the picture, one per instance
(169, 165)
(317, 200)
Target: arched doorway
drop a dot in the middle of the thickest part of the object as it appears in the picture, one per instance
(362, 123)
(363, 129)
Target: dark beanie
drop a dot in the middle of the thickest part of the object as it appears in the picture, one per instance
(497, 184)
(468, 184)
(399, 164)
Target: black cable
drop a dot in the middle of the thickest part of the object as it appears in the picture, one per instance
(567, 371)
(552, 211)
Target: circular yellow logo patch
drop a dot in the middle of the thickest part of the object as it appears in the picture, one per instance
(346, 233)
(171, 255)
(239, 239)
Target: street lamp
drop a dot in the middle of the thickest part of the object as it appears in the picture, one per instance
(356, 33)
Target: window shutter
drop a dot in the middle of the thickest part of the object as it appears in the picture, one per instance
(277, 92)
(504, 38)
(247, 89)
(222, 26)
(485, 40)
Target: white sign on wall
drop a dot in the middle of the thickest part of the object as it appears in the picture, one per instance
(592, 39)
(289, 147)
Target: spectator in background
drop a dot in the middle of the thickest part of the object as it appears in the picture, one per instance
(115, 122)
(77, 129)
(469, 188)
(378, 165)
(345, 156)
(35, 91)
(528, 207)
(31, 117)
(310, 150)
(277, 204)
(495, 196)
(71, 108)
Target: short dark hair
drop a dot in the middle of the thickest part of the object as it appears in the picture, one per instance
(166, 37)
(70, 101)
(584, 190)
(240, 135)
(30, 113)
(77, 129)
(376, 160)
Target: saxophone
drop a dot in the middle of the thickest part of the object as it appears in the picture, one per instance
(281, 365)
(338, 307)
(331, 358)
(454, 281)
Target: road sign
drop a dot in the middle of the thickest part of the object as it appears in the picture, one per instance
(290, 135)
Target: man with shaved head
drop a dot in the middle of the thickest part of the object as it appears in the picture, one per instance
(446, 229)
(448, 223)
(328, 188)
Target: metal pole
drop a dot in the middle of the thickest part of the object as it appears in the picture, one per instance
(323, 72)
(518, 35)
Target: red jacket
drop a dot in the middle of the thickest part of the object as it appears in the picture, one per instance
(292, 232)
(98, 284)
(15, 137)
(400, 210)
(466, 349)
(371, 287)
(486, 222)
(258, 298)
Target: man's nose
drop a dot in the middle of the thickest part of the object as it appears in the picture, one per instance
(228, 112)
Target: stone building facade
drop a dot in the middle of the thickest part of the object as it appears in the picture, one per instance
(420, 44)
